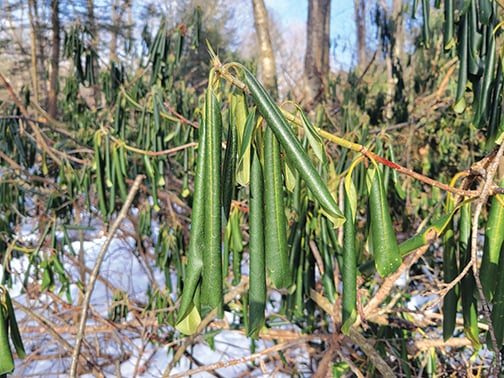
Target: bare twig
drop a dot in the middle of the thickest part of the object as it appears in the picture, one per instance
(96, 271)
(180, 116)
(370, 351)
(442, 293)
(51, 328)
(242, 360)
(388, 283)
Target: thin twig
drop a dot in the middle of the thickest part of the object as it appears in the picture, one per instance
(388, 283)
(442, 293)
(96, 271)
(370, 351)
(180, 116)
(252, 357)
(54, 330)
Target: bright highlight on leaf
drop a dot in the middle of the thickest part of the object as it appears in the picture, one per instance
(189, 324)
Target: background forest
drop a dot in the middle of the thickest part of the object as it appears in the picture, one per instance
(187, 188)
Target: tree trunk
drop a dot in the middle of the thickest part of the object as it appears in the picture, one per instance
(360, 24)
(52, 103)
(115, 31)
(267, 68)
(316, 68)
(393, 54)
(33, 37)
(93, 29)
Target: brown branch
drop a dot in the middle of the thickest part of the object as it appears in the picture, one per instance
(370, 351)
(388, 283)
(442, 293)
(419, 176)
(242, 360)
(482, 200)
(180, 116)
(453, 342)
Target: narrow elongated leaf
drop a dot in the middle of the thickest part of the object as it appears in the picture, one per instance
(236, 244)
(275, 224)
(498, 303)
(484, 102)
(99, 177)
(229, 170)
(244, 123)
(385, 248)
(15, 335)
(257, 290)
(293, 149)
(313, 138)
(460, 102)
(196, 241)
(494, 238)
(211, 288)
(448, 24)
(349, 271)
(6, 359)
(450, 272)
(468, 283)
(426, 22)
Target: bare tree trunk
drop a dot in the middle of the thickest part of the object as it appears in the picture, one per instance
(91, 24)
(394, 54)
(397, 14)
(267, 68)
(42, 53)
(33, 37)
(360, 24)
(52, 104)
(115, 31)
(316, 68)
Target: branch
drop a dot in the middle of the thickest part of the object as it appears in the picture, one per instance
(388, 283)
(96, 271)
(482, 200)
(252, 357)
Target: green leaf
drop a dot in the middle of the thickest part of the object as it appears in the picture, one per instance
(14, 330)
(277, 261)
(244, 123)
(257, 277)
(313, 138)
(494, 238)
(197, 237)
(293, 149)
(211, 286)
(6, 358)
(468, 283)
(385, 248)
(349, 269)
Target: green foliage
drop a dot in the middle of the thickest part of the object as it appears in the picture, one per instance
(265, 183)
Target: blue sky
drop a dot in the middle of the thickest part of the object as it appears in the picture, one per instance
(342, 25)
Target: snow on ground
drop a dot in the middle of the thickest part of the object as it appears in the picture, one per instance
(122, 349)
